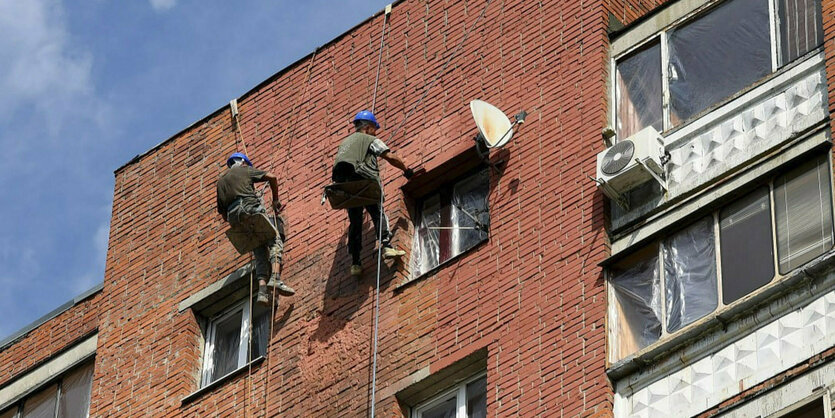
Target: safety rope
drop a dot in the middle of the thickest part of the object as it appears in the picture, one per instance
(441, 72)
(380, 221)
(382, 215)
(249, 334)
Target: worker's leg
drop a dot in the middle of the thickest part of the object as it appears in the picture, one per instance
(262, 273)
(355, 234)
(382, 222)
(276, 248)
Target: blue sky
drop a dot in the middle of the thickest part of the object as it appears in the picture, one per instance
(87, 84)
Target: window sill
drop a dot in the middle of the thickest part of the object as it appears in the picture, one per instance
(728, 324)
(222, 380)
(431, 272)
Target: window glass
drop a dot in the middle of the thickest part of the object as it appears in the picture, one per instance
(260, 331)
(746, 245)
(227, 337)
(450, 222)
(637, 309)
(801, 27)
(812, 410)
(717, 55)
(75, 393)
(470, 216)
(690, 274)
(426, 242)
(9, 413)
(639, 91)
(803, 213)
(42, 404)
(447, 409)
(477, 398)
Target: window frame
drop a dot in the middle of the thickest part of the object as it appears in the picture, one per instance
(714, 213)
(662, 36)
(445, 192)
(246, 330)
(460, 391)
(58, 382)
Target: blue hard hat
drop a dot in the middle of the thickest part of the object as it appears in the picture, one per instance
(367, 115)
(238, 155)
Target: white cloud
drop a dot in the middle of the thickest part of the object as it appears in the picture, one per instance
(163, 5)
(40, 68)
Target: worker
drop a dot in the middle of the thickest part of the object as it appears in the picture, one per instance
(356, 159)
(236, 198)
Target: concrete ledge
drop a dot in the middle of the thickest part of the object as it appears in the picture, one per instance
(205, 295)
(37, 378)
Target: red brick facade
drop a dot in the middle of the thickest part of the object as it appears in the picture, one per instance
(533, 295)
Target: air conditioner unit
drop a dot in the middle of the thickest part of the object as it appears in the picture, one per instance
(631, 162)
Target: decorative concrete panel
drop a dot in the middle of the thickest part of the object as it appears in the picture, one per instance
(745, 128)
(771, 349)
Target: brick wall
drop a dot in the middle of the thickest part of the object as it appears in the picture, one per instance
(533, 295)
(49, 339)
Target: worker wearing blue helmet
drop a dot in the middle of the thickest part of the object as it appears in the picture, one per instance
(356, 159)
(236, 197)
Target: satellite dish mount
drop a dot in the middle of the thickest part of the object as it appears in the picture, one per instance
(494, 128)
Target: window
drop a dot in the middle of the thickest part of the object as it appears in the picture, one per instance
(710, 58)
(227, 340)
(803, 230)
(747, 256)
(812, 410)
(639, 91)
(450, 221)
(68, 397)
(468, 400)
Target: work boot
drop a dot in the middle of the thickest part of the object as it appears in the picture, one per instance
(283, 290)
(389, 252)
(356, 270)
(262, 297)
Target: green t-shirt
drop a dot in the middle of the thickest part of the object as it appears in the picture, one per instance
(237, 182)
(360, 151)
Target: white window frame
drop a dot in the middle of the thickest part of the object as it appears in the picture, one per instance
(720, 305)
(460, 392)
(243, 341)
(662, 35)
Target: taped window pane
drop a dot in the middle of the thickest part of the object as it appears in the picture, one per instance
(636, 313)
(746, 245)
(717, 55)
(803, 213)
(42, 404)
(426, 241)
(470, 215)
(801, 28)
(690, 274)
(639, 91)
(75, 393)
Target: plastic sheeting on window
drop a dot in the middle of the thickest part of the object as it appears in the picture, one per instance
(803, 214)
(260, 332)
(75, 393)
(639, 91)
(690, 274)
(42, 405)
(801, 28)
(477, 399)
(717, 55)
(447, 409)
(469, 204)
(426, 241)
(636, 313)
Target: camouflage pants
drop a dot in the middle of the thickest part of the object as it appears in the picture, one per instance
(273, 250)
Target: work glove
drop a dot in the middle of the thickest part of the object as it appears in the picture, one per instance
(408, 173)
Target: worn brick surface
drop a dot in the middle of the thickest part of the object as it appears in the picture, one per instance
(533, 295)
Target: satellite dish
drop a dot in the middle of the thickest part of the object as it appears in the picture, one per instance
(495, 128)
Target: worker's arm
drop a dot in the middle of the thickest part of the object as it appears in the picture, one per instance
(398, 162)
(270, 178)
